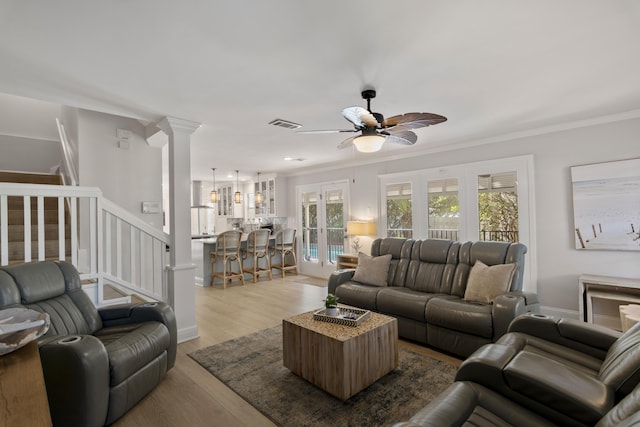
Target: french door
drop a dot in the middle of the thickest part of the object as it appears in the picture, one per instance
(322, 214)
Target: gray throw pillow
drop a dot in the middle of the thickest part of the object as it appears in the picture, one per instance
(486, 283)
(372, 270)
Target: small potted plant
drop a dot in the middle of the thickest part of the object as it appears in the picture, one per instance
(331, 305)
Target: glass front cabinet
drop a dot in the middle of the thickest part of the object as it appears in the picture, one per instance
(267, 187)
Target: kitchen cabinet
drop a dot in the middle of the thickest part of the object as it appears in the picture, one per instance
(268, 189)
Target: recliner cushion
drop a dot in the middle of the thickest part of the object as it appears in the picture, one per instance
(66, 317)
(621, 367)
(358, 295)
(457, 314)
(132, 346)
(568, 391)
(576, 359)
(404, 302)
(37, 281)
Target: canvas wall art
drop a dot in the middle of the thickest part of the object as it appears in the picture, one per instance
(606, 205)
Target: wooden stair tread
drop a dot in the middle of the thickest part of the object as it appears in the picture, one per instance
(30, 178)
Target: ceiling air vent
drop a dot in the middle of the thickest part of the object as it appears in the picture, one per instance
(285, 124)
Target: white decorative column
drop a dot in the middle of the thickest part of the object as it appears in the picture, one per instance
(181, 270)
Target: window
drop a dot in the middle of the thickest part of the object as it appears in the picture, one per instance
(498, 207)
(489, 200)
(399, 211)
(443, 209)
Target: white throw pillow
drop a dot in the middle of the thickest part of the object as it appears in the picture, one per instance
(372, 270)
(486, 283)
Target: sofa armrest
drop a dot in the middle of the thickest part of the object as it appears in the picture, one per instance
(76, 374)
(585, 337)
(339, 277)
(506, 308)
(124, 314)
(530, 298)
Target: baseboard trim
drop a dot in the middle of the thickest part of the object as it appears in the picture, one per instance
(187, 334)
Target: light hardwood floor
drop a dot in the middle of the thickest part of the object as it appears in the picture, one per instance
(189, 395)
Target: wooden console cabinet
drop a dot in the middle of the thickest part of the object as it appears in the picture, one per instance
(601, 296)
(346, 261)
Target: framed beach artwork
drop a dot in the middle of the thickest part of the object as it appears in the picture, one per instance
(606, 205)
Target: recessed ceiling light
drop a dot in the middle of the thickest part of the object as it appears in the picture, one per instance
(291, 159)
(287, 158)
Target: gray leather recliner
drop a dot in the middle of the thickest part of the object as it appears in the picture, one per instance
(97, 364)
(568, 371)
(466, 403)
(545, 371)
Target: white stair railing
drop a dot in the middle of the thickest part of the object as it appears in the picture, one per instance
(104, 241)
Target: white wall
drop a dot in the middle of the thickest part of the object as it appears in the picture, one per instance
(127, 177)
(28, 135)
(559, 264)
(28, 155)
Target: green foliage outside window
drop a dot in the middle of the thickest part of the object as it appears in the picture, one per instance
(498, 213)
(399, 220)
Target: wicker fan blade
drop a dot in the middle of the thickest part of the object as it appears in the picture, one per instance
(347, 142)
(403, 138)
(360, 117)
(413, 120)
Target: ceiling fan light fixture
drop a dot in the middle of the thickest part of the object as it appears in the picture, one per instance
(368, 143)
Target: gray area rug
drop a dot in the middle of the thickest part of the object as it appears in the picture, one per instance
(252, 367)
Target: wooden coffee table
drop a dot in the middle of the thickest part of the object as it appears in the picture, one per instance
(341, 360)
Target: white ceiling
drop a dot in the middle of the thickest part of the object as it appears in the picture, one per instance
(495, 68)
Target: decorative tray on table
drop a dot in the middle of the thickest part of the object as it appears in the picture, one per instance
(347, 316)
(20, 326)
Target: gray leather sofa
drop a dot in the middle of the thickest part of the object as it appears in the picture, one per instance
(545, 371)
(427, 280)
(97, 364)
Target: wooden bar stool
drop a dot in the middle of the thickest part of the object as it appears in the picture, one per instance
(285, 245)
(228, 250)
(258, 248)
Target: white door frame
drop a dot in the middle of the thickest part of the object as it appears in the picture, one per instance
(320, 267)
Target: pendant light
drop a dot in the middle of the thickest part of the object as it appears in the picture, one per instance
(214, 192)
(237, 197)
(258, 193)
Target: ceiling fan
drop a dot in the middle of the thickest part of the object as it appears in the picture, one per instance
(375, 129)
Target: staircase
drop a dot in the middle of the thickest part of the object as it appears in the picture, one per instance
(120, 257)
(16, 218)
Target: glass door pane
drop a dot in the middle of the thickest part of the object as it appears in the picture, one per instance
(399, 210)
(310, 226)
(334, 214)
(498, 207)
(443, 209)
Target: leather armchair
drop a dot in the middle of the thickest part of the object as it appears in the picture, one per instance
(469, 404)
(97, 364)
(570, 372)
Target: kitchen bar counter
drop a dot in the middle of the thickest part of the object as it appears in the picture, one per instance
(201, 256)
